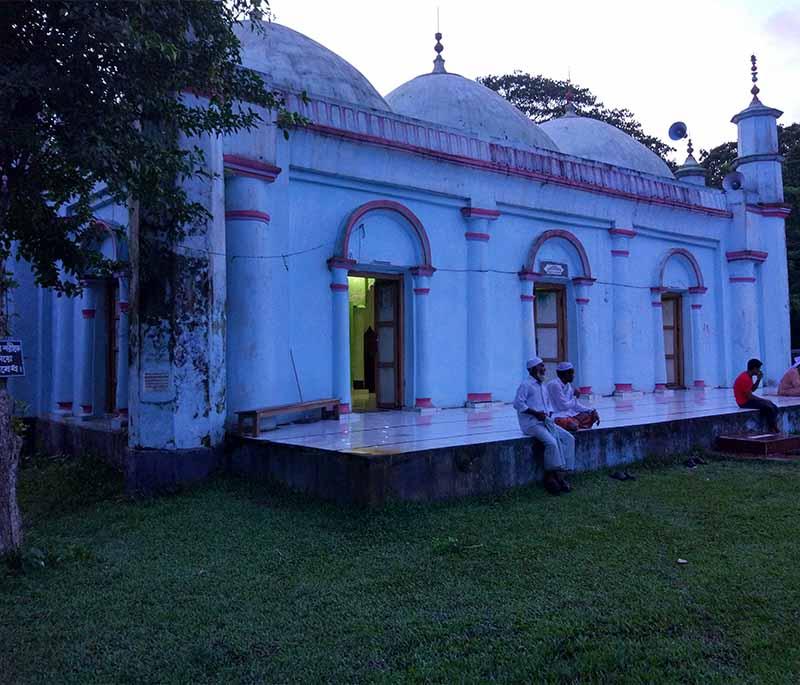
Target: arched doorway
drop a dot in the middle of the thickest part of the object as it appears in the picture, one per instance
(380, 289)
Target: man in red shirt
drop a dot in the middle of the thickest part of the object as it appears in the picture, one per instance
(743, 389)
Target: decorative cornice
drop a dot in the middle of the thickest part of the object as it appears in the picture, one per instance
(481, 237)
(657, 290)
(479, 213)
(253, 168)
(742, 279)
(620, 253)
(247, 215)
(697, 306)
(528, 275)
(583, 280)
(746, 255)
(341, 263)
(340, 287)
(423, 270)
(582, 300)
(527, 298)
(761, 157)
(698, 290)
(625, 232)
(771, 209)
(422, 291)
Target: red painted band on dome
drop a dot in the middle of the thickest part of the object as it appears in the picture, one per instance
(247, 215)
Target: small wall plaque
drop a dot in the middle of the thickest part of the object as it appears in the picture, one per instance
(553, 269)
(11, 361)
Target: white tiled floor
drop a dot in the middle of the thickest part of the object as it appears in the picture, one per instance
(394, 432)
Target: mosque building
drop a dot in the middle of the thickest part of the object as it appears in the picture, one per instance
(411, 252)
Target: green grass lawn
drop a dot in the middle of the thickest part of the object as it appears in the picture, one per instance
(237, 582)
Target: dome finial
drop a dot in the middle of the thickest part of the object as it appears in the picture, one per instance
(755, 90)
(438, 63)
(690, 148)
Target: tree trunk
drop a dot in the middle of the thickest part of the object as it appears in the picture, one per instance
(10, 446)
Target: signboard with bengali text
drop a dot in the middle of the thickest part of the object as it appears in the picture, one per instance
(11, 361)
(553, 269)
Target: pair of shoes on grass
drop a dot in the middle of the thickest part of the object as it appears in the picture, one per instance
(556, 485)
(622, 475)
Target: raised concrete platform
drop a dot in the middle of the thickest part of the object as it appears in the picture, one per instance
(373, 458)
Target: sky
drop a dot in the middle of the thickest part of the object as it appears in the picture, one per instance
(665, 61)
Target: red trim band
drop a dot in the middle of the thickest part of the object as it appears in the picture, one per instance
(253, 168)
(528, 298)
(699, 384)
(623, 387)
(479, 213)
(778, 210)
(582, 300)
(341, 263)
(528, 276)
(86, 408)
(660, 387)
(747, 255)
(424, 403)
(699, 290)
(421, 291)
(340, 287)
(742, 279)
(479, 397)
(344, 408)
(247, 215)
(88, 313)
(657, 290)
(64, 406)
(585, 390)
(423, 270)
(626, 232)
(483, 237)
(621, 253)
(697, 306)
(583, 280)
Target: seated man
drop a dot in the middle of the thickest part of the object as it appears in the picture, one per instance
(535, 419)
(743, 389)
(790, 383)
(569, 413)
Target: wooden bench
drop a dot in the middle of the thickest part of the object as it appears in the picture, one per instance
(329, 407)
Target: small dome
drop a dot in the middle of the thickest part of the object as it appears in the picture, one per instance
(458, 102)
(594, 139)
(290, 60)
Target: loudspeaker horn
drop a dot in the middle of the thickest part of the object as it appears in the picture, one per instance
(733, 181)
(678, 130)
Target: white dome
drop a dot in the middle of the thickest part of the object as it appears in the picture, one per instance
(452, 100)
(593, 139)
(290, 60)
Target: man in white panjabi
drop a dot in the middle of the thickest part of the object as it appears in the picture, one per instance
(534, 413)
(568, 411)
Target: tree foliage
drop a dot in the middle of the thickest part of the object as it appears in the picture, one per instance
(543, 98)
(719, 161)
(92, 98)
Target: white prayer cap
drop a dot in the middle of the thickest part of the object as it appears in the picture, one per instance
(533, 362)
(564, 366)
(796, 361)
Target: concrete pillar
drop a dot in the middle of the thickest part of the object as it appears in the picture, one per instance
(248, 285)
(340, 296)
(744, 312)
(422, 332)
(623, 309)
(123, 330)
(528, 302)
(586, 338)
(478, 357)
(63, 355)
(659, 357)
(85, 370)
(698, 338)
